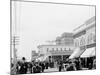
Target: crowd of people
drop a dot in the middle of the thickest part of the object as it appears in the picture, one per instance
(23, 67)
(77, 64)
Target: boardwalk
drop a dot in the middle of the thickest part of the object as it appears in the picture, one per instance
(51, 70)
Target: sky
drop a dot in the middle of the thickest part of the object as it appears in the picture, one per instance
(36, 23)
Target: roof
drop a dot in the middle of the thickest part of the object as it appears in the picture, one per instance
(92, 19)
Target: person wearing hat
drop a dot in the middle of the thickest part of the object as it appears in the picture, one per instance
(23, 68)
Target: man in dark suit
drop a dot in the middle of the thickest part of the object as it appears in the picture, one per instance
(23, 68)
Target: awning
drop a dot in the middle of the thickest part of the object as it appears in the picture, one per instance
(89, 52)
(93, 53)
(40, 58)
(76, 53)
(43, 58)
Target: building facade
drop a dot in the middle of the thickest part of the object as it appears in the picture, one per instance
(85, 40)
(85, 35)
(34, 55)
(65, 39)
(56, 52)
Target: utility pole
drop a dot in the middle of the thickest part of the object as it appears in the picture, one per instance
(14, 53)
(14, 36)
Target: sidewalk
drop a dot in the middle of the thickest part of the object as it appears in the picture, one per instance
(51, 70)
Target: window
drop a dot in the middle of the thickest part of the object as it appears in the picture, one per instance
(65, 49)
(94, 38)
(88, 41)
(52, 49)
(69, 49)
(57, 49)
(82, 41)
(47, 49)
(61, 49)
(77, 43)
(90, 38)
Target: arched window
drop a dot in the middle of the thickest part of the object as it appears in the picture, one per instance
(77, 43)
(82, 41)
(57, 49)
(47, 49)
(90, 38)
(52, 49)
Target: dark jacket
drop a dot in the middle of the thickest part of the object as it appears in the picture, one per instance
(23, 69)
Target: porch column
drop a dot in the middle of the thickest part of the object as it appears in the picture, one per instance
(62, 57)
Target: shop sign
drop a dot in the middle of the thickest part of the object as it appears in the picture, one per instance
(91, 45)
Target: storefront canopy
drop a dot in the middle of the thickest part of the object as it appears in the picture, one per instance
(77, 52)
(44, 57)
(89, 52)
(94, 53)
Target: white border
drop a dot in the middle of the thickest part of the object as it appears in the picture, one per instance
(5, 36)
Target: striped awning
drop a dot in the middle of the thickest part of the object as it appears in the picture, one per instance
(89, 52)
(77, 52)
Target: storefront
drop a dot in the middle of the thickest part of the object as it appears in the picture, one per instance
(77, 52)
(89, 55)
(89, 52)
(59, 55)
(85, 40)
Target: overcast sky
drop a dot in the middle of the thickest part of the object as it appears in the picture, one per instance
(37, 23)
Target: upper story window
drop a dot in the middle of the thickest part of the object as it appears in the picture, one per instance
(65, 49)
(57, 49)
(61, 49)
(82, 41)
(91, 38)
(77, 43)
(47, 49)
(94, 38)
(88, 40)
(39, 51)
(52, 49)
(69, 49)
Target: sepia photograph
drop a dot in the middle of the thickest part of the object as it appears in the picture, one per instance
(52, 37)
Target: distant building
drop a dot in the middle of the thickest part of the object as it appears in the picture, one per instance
(56, 52)
(61, 50)
(65, 39)
(34, 55)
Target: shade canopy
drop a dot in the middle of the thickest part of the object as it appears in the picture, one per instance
(89, 52)
(77, 52)
(93, 53)
(44, 57)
